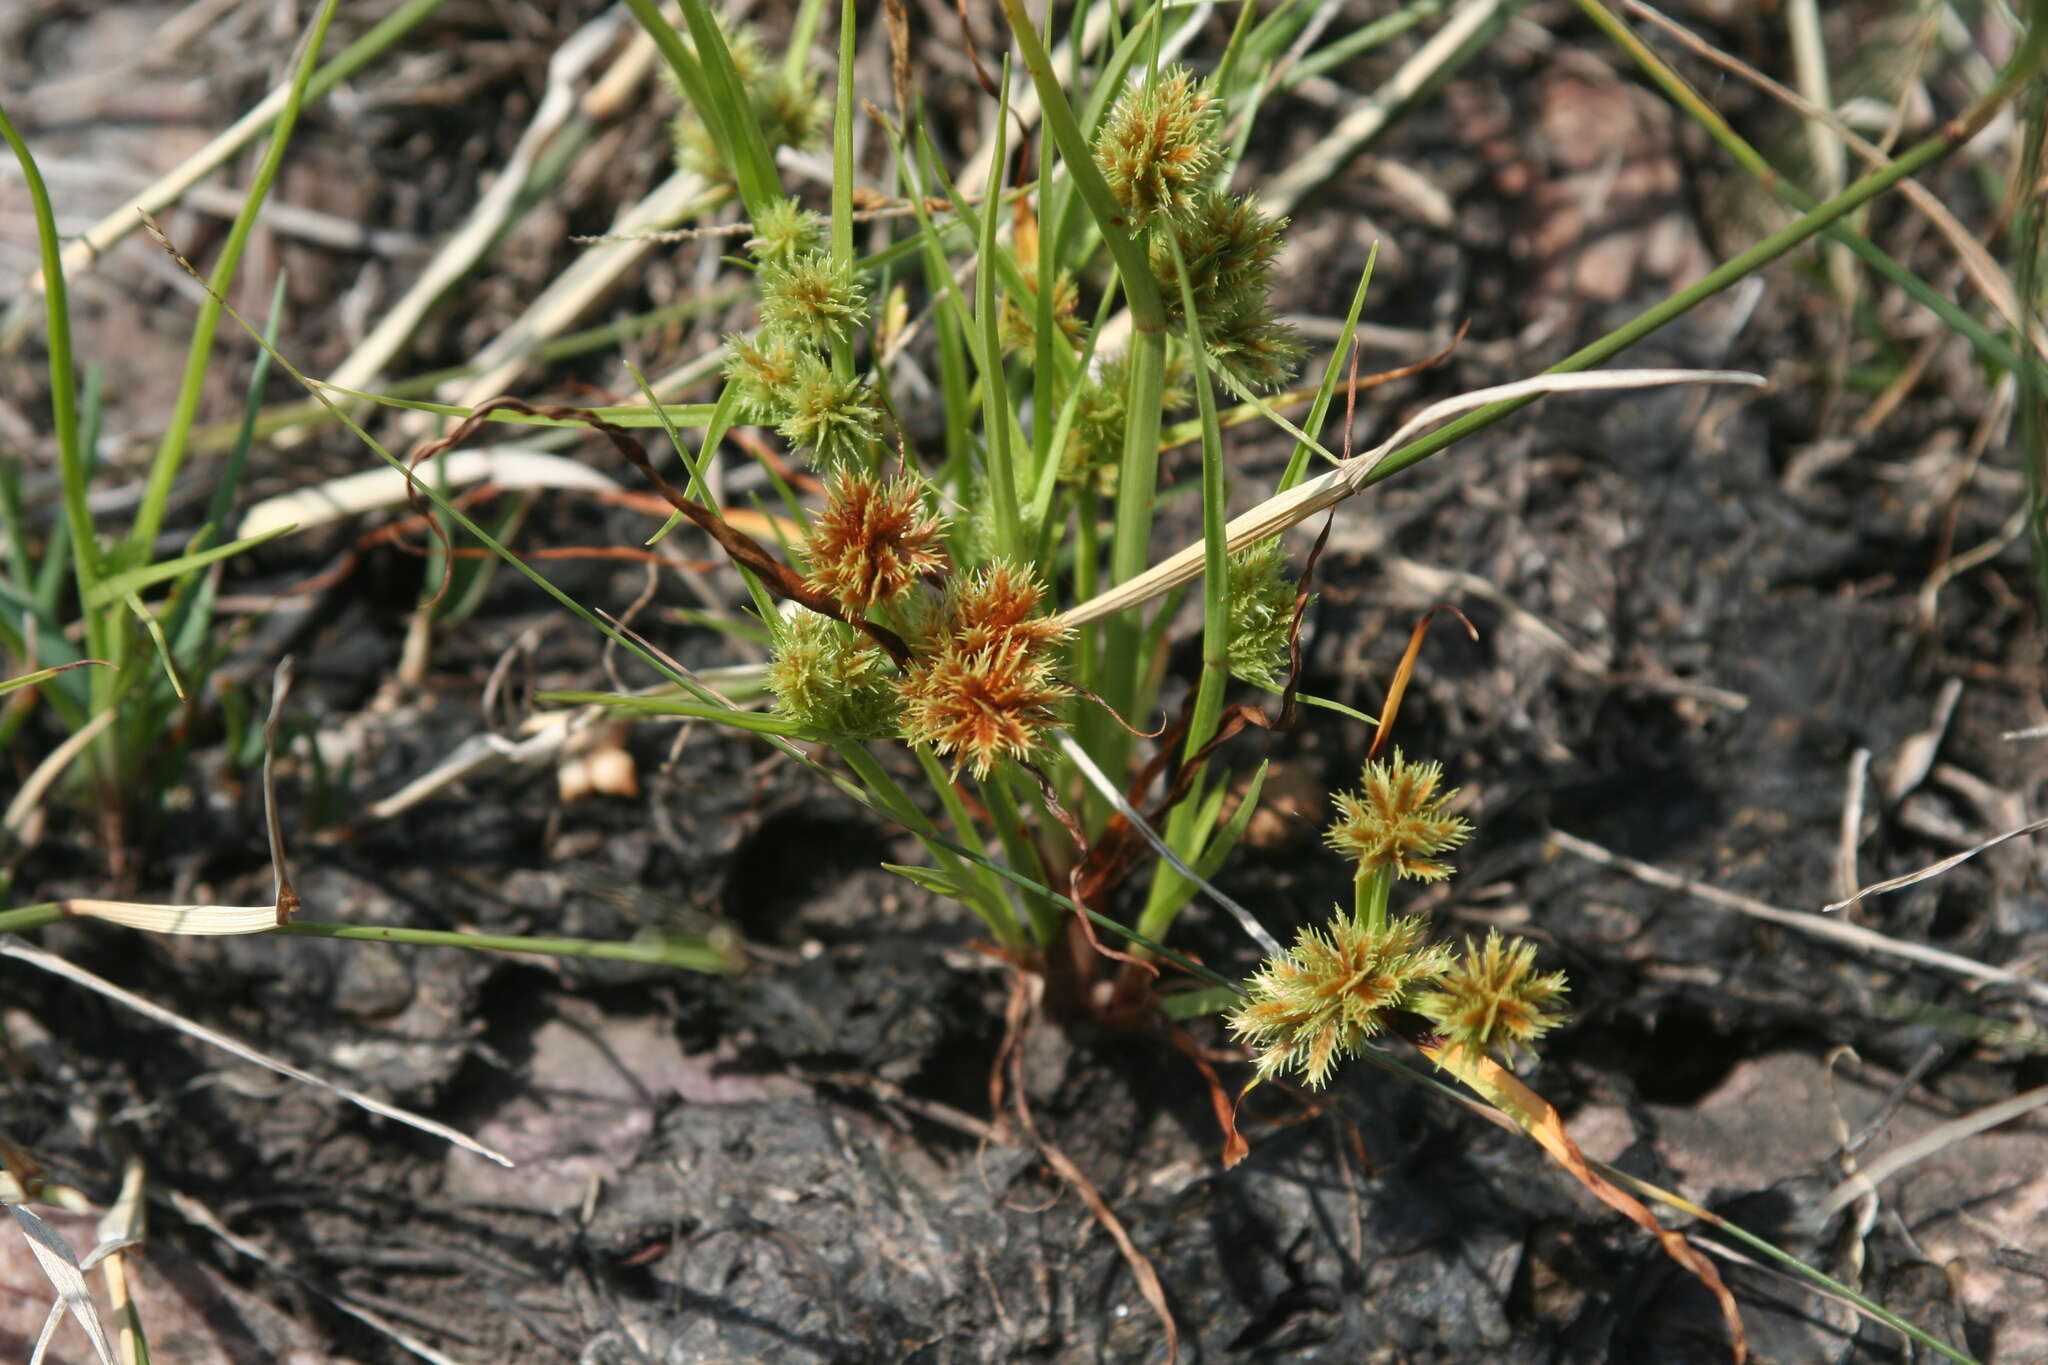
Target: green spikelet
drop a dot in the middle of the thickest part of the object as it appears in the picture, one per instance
(1261, 614)
(827, 675)
(1158, 144)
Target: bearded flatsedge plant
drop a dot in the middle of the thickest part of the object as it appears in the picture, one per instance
(976, 608)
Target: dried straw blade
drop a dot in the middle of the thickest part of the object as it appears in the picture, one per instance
(1303, 501)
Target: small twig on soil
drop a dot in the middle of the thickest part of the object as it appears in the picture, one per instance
(199, 1215)
(57, 966)
(1864, 1182)
(1936, 869)
(1848, 935)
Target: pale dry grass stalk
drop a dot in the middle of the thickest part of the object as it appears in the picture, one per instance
(1286, 510)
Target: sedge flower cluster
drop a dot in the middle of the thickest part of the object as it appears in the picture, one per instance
(1340, 983)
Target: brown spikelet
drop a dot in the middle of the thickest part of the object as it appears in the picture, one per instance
(998, 602)
(873, 541)
(986, 688)
(979, 705)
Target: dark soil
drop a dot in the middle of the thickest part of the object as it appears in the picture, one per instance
(1693, 609)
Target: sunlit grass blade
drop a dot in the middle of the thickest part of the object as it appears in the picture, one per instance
(170, 452)
(1297, 463)
(120, 585)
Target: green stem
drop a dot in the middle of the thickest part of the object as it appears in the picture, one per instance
(1370, 896)
(1009, 934)
(170, 453)
(842, 173)
(71, 456)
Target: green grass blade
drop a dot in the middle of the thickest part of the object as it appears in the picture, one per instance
(1297, 463)
(120, 585)
(712, 85)
(170, 452)
(71, 457)
(149, 623)
(43, 675)
(995, 389)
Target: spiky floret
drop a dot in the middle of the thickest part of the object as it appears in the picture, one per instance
(873, 541)
(763, 372)
(827, 675)
(980, 705)
(1261, 613)
(1397, 820)
(984, 688)
(1229, 245)
(1258, 350)
(785, 231)
(835, 423)
(811, 298)
(1315, 1004)
(1158, 144)
(996, 604)
(1494, 998)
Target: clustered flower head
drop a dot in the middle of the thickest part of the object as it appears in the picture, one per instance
(873, 541)
(1338, 985)
(1313, 1005)
(1261, 598)
(834, 422)
(827, 675)
(762, 371)
(1397, 819)
(1495, 998)
(1229, 245)
(1158, 144)
(784, 231)
(811, 298)
(984, 688)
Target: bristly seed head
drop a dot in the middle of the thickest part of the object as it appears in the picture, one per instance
(873, 541)
(1261, 599)
(1494, 998)
(763, 373)
(1157, 144)
(835, 423)
(827, 675)
(985, 688)
(1397, 819)
(1229, 245)
(811, 298)
(996, 604)
(1316, 1003)
(785, 231)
